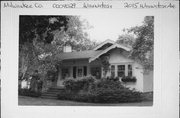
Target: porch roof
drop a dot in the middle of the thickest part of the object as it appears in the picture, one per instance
(79, 54)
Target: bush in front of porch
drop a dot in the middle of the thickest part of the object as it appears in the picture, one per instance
(98, 91)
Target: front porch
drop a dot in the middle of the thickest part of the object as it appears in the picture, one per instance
(77, 69)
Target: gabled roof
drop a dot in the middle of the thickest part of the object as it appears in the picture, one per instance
(108, 49)
(78, 55)
(92, 54)
(108, 41)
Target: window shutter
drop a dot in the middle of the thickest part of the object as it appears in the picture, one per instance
(85, 70)
(74, 71)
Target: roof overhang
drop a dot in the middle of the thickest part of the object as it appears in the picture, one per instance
(108, 49)
(103, 43)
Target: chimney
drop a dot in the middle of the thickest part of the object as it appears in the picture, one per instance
(67, 48)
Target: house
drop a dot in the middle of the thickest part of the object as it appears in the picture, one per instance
(83, 63)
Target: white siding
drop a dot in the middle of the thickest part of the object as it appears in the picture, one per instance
(117, 58)
(148, 82)
(138, 73)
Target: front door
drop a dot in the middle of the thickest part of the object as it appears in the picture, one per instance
(64, 73)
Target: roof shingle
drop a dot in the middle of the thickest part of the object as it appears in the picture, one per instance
(79, 55)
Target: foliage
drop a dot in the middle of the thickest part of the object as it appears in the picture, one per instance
(78, 84)
(51, 75)
(41, 38)
(126, 40)
(112, 78)
(40, 27)
(104, 59)
(128, 79)
(147, 96)
(103, 91)
(27, 92)
(66, 95)
(144, 44)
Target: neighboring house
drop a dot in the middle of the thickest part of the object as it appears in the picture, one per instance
(83, 63)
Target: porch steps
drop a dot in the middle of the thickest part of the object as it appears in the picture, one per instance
(52, 92)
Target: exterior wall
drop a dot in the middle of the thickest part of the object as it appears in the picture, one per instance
(148, 82)
(117, 58)
(138, 73)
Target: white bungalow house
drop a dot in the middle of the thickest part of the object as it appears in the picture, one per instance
(83, 63)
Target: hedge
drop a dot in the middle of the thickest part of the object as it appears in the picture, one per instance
(76, 85)
(103, 91)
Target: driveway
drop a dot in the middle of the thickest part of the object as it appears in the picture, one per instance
(23, 100)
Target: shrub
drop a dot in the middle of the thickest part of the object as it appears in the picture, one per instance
(105, 84)
(128, 79)
(66, 95)
(103, 91)
(112, 78)
(76, 85)
(27, 92)
(115, 96)
(108, 91)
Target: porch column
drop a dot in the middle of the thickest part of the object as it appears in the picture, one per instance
(71, 71)
(59, 77)
(88, 69)
(126, 69)
(115, 70)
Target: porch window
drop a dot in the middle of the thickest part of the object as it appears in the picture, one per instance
(121, 70)
(80, 71)
(130, 70)
(113, 70)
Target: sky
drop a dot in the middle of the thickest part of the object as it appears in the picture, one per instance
(110, 26)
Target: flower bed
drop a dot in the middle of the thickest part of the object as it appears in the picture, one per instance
(128, 79)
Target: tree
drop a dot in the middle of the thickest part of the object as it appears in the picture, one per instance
(126, 40)
(144, 45)
(41, 38)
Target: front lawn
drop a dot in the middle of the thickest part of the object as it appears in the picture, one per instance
(31, 101)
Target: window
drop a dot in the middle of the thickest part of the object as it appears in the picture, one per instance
(113, 71)
(129, 70)
(80, 71)
(121, 70)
